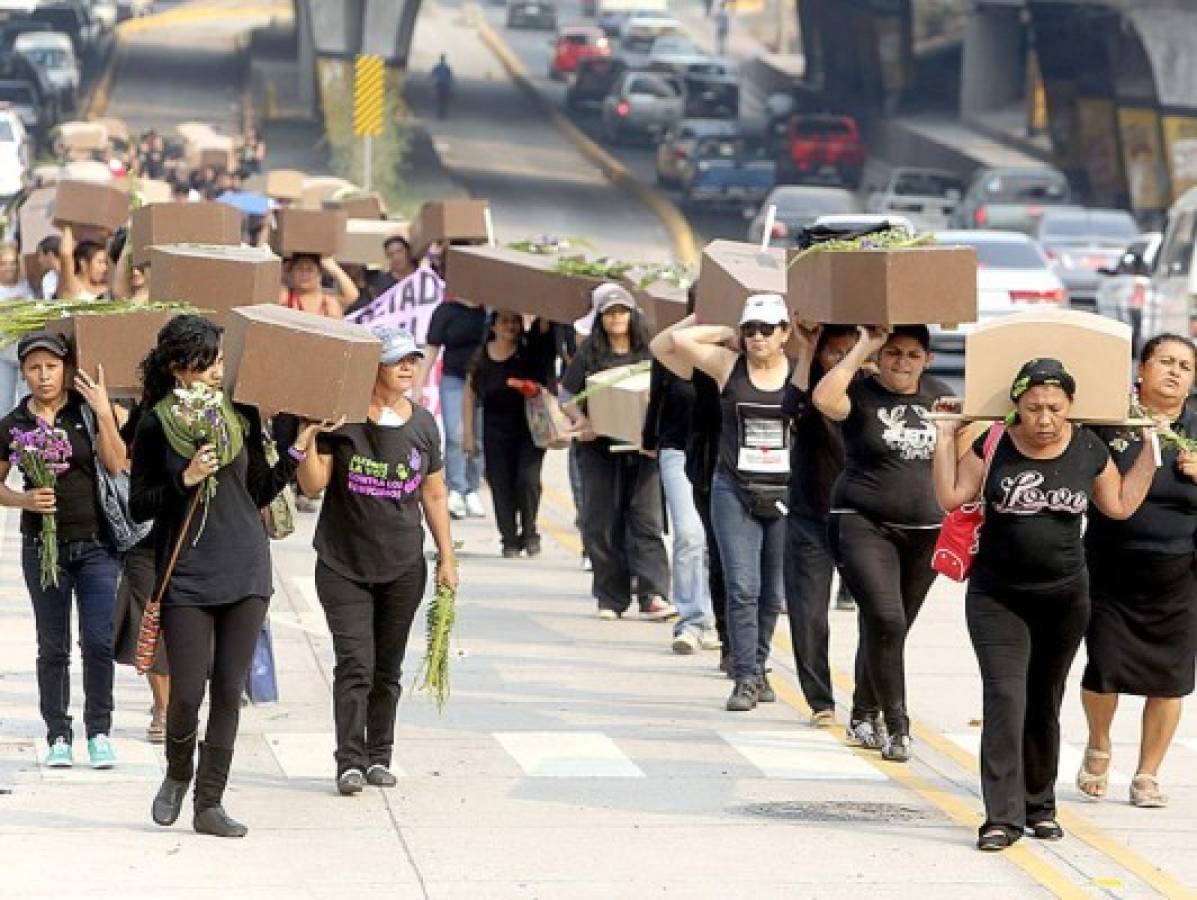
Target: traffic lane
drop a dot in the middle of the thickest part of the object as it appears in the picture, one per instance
(500, 145)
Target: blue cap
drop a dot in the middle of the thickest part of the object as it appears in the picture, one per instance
(397, 344)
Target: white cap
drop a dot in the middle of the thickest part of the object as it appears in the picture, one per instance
(769, 309)
(603, 298)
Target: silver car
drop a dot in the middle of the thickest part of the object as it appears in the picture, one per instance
(1081, 242)
(676, 150)
(1124, 292)
(54, 54)
(798, 207)
(928, 197)
(642, 103)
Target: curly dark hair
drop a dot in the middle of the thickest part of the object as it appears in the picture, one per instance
(185, 343)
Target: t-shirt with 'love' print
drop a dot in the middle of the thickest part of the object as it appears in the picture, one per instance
(1031, 538)
(371, 525)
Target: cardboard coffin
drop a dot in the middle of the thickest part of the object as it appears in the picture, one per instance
(914, 286)
(318, 231)
(89, 203)
(358, 205)
(182, 223)
(149, 190)
(618, 411)
(731, 272)
(201, 150)
(118, 130)
(455, 221)
(91, 170)
(118, 342)
(662, 304)
(524, 282)
(215, 278)
(284, 360)
(362, 243)
(1094, 349)
(83, 137)
(318, 188)
(285, 184)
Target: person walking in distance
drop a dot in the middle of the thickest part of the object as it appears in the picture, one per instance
(1028, 596)
(1142, 630)
(722, 27)
(442, 86)
(884, 517)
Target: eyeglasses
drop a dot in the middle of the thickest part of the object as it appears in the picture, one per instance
(764, 329)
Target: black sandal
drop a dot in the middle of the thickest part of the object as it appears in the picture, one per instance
(993, 839)
(1048, 830)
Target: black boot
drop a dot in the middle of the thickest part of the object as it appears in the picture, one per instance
(180, 765)
(210, 780)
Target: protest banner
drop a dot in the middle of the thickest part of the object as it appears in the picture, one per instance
(409, 304)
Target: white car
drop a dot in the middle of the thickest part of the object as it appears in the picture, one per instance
(54, 54)
(1124, 291)
(798, 207)
(638, 33)
(1013, 275)
(674, 52)
(14, 154)
(105, 13)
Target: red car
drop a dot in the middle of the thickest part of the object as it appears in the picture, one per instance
(819, 147)
(573, 44)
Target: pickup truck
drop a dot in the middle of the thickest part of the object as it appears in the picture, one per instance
(821, 148)
(643, 103)
(728, 171)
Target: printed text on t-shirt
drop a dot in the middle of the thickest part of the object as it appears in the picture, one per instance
(1023, 495)
(916, 442)
(373, 478)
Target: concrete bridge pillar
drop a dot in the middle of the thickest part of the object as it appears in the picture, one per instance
(994, 60)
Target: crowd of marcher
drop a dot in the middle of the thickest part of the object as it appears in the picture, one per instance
(777, 453)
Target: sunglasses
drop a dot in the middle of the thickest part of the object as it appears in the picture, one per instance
(764, 329)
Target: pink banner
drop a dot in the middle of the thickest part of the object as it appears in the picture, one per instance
(409, 304)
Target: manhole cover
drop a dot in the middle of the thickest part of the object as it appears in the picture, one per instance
(835, 811)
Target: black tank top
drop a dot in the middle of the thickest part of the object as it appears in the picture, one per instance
(754, 437)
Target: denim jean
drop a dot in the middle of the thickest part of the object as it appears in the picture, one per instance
(691, 589)
(753, 551)
(89, 571)
(463, 474)
(575, 488)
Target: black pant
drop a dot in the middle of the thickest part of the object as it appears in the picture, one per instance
(213, 643)
(370, 624)
(623, 525)
(1025, 642)
(513, 464)
(808, 570)
(702, 501)
(888, 570)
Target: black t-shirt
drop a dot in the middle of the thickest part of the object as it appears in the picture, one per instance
(370, 526)
(670, 409)
(754, 431)
(888, 445)
(1033, 510)
(702, 447)
(459, 330)
(817, 456)
(153, 164)
(78, 517)
(585, 363)
(1167, 520)
(503, 406)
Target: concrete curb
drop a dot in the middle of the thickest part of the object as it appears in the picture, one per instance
(685, 248)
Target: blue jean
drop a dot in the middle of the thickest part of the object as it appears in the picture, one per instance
(691, 589)
(88, 570)
(463, 474)
(752, 550)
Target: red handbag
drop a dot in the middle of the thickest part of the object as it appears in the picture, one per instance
(960, 533)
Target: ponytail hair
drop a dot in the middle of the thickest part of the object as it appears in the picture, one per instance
(185, 344)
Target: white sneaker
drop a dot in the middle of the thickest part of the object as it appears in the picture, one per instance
(586, 564)
(708, 639)
(474, 507)
(457, 505)
(686, 643)
(606, 614)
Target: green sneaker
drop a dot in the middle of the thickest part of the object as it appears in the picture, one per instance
(60, 756)
(100, 750)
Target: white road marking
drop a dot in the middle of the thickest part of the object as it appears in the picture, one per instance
(567, 754)
(803, 755)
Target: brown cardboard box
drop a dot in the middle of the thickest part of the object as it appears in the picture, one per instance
(449, 220)
(88, 203)
(182, 223)
(618, 411)
(118, 342)
(914, 286)
(83, 137)
(284, 360)
(35, 221)
(362, 245)
(285, 184)
(359, 205)
(319, 231)
(215, 151)
(731, 272)
(118, 130)
(318, 188)
(149, 190)
(524, 282)
(662, 304)
(89, 170)
(215, 278)
(1094, 349)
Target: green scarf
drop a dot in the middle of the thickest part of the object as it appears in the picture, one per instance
(183, 443)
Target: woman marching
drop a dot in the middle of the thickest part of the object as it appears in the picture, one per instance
(215, 600)
(1028, 597)
(370, 569)
(1142, 637)
(749, 488)
(884, 518)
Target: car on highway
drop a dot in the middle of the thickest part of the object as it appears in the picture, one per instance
(1124, 292)
(1013, 275)
(133, 9)
(72, 19)
(105, 14)
(676, 149)
(820, 148)
(21, 96)
(14, 154)
(1011, 199)
(639, 32)
(574, 44)
(593, 80)
(642, 103)
(674, 53)
(798, 206)
(712, 89)
(1081, 242)
(927, 197)
(613, 13)
(1172, 300)
(53, 53)
(728, 172)
(538, 14)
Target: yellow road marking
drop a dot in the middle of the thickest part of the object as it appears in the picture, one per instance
(191, 15)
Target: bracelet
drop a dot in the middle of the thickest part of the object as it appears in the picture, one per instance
(296, 454)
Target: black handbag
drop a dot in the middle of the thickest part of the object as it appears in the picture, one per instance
(113, 494)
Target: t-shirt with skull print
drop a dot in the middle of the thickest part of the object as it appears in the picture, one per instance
(889, 440)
